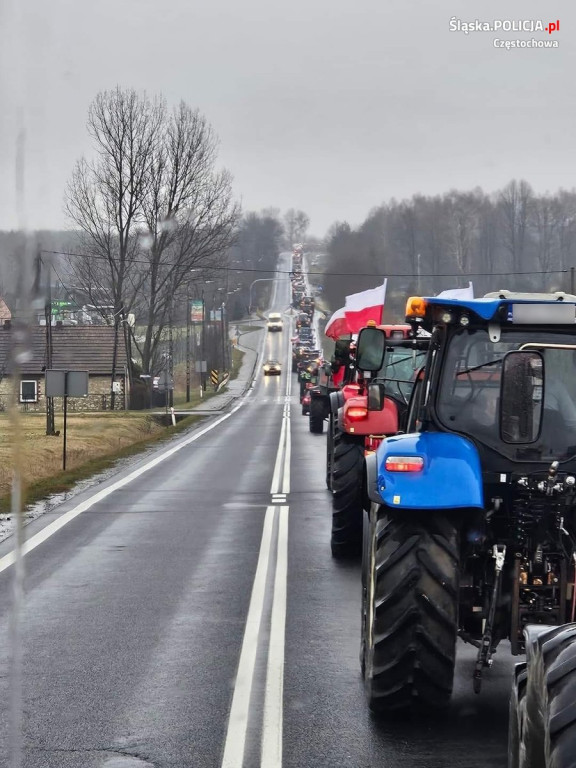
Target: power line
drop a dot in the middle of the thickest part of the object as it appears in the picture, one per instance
(289, 272)
(63, 286)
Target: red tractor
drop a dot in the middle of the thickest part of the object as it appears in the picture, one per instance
(359, 422)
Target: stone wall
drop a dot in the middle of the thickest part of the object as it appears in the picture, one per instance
(98, 398)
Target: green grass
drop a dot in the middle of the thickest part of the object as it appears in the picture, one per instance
(96, 441)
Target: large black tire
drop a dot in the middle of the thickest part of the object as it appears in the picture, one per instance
(411, 609)
(347, 476)
(316, 416)
(332, 436)
(542, 730)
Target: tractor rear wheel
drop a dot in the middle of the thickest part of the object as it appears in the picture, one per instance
(410, 609)
(316, 415)
(347, 475)
(332, 436)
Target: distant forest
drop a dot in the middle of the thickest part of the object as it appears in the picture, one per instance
(512, 239)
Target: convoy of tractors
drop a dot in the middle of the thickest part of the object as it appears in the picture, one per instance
(451, 461)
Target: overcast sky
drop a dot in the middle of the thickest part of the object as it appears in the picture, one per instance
(331, 106)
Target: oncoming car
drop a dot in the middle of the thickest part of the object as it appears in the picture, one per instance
(274, 321)
(272, 368)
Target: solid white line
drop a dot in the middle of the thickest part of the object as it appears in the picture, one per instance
(287, 458)
(278, 463)
(52, 528)
(274, 699)
(238, 719)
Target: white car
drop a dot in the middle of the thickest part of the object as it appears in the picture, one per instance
(274, 321)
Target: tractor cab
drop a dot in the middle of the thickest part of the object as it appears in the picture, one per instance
(501, 372)
(486, 472)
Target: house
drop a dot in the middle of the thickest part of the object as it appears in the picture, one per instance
(78, 348)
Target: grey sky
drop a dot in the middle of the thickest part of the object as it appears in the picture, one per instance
(329, 106)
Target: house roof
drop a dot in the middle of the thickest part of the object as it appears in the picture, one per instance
(74, 348)
(5, 313)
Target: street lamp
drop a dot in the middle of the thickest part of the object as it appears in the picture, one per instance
(260, 280)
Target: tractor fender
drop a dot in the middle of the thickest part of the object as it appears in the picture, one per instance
(371, 467)
(336, 401)
(450, 478)
(383, 422)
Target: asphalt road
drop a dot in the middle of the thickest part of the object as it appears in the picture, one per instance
(194, 617)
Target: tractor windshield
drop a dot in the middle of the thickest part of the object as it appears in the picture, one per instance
(399, 371)
(468, 398)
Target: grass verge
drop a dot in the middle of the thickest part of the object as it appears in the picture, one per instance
(95, 442)
(93, 445)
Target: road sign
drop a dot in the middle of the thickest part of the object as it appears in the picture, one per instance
(196, 311)
(165, 381)
(200, 366)
(214, 377)
(66, 383)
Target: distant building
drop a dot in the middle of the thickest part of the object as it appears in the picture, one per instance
(5, 313)
(79, 348)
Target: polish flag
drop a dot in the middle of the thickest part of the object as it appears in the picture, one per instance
(361, 307)
(458, 293)
(337, 326)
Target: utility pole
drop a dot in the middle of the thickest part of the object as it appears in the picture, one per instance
(203, 344)
(223, 329)
(50, 428)
(188, 342)
(171, 352)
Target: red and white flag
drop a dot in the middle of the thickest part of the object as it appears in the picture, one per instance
(458, 293)
(337, 325)
(365, 306)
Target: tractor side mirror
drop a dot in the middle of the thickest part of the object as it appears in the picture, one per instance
(521, 396)
(376, 396)
(370, 349)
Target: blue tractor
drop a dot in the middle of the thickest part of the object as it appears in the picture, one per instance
(470, 522)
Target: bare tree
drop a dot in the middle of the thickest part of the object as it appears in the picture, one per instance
(545, 226)
(565, 217)
(514, 203)
(189, 216)
(104, 196)
(463, 209)
(296, 224)
(151, 207)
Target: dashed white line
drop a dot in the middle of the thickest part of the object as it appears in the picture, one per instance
(272, 729)
(272, 723)
(239, 711)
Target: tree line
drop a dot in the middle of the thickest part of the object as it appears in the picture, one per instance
(513, 239)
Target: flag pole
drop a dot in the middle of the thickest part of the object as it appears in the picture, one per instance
(383, 300)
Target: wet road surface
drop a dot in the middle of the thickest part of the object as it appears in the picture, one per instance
(140, 610)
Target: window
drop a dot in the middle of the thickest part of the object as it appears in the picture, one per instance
(28, 391)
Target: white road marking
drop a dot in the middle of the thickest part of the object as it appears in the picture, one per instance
(238, 719)
(287, 458)
(67, 517)
(273, 717)
(272, 730)
(279, 458)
